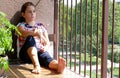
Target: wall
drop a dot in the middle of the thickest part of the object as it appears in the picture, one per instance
(44, 8)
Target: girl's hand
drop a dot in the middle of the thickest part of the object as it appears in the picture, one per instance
(36, 32)
(43, 42)
(42, 50)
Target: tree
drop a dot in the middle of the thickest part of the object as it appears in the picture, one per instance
(116, 22)
(91, 18)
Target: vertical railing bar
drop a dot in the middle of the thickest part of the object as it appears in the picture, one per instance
(97, 39)
(75, 35)
(63, 30)
(59, 25)
(104, 39)
(71, 37)
(80, 37)
(119, 65)
(85, 41)
(67, 32)
(56, 37)
(112, 60)
(91, 42)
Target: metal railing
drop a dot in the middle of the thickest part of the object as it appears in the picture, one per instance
(88, 36)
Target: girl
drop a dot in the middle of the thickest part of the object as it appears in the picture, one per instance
(34, 42)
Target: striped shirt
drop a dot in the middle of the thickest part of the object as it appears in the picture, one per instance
(31, 28)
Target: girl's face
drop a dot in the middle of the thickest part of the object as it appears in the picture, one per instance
(30, 14)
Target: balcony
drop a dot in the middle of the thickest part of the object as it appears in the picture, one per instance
(19, 70)
(86, 34)
(88, 37)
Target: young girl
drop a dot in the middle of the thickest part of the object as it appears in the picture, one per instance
(34, 42)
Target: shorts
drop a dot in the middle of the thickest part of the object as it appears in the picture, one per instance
(44, 58)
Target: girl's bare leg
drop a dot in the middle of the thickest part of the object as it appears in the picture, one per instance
(32, 52)
(58, 65)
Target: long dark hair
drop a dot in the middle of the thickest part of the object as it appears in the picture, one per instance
(23, 9)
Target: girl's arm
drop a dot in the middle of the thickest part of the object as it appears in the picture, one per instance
(26, 33)
(46, 42)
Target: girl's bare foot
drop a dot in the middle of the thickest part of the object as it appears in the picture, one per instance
(36, 69)
(61, 65)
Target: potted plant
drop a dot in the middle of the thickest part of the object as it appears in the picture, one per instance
(5, 41)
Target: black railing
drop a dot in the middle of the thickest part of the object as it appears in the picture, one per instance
(88, 33)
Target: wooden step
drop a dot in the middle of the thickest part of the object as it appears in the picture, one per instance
(24, 71)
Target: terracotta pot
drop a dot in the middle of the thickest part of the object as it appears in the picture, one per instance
(1, 72)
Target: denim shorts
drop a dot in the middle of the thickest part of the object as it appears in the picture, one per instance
(44, 57)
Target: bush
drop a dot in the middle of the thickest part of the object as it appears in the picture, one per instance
(116, 56)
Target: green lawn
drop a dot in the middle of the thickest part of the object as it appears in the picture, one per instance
(115, 70)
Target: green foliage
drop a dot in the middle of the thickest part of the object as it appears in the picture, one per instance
(116, 22)
(6, 29)
(4, 63)
(5, 34)
(91, 19)
(115, 55)
(86, 22)
(72, 31)
(116, 71)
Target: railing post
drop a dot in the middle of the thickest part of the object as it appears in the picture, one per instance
(56, 29)
(104, 39)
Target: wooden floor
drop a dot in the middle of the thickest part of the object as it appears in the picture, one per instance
(24, 71)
